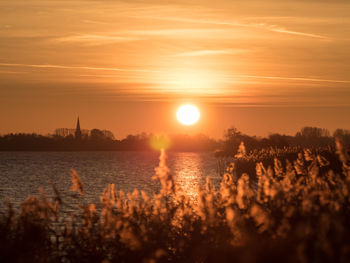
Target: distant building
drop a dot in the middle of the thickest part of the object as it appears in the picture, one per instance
(78, 131)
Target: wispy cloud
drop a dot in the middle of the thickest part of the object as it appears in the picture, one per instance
(222, 78)
(210, 52)
(11, 72)
(181, 32)
(262, 26)
(50, 66)
(269, 27)
(304, 79)
(94, 22)
(274, 28)
(95, 39)
(136, 35)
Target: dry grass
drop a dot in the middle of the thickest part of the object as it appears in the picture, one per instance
(297, 212)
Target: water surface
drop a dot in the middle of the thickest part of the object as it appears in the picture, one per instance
(22, 173)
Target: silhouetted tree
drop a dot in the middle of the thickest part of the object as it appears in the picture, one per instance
(313, 137)
(96, 134)
(231, 133)
(279, 141)
(313, 132)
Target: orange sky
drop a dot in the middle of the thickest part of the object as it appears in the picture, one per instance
(262, 66)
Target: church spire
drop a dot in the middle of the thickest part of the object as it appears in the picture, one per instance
(78, 131)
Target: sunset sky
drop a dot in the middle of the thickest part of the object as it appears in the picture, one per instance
(126, 66)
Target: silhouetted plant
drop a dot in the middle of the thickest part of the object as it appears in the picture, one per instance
(290, 211)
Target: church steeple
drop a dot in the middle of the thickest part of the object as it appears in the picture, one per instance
(78, 131)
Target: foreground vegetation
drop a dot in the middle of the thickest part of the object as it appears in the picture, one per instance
(292, 211)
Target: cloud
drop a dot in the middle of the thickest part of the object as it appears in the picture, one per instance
(11, 72)
(198, 53)
(226, 77)
(269, 27)
(50, 66)
(94, 22)
(95, 39)
(262, 26)
(181, 32)
(274, 28)
(290, 78)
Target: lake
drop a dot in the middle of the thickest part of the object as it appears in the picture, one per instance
(22, 173)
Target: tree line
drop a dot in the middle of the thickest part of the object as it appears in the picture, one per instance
(307, 137)
(98, 140)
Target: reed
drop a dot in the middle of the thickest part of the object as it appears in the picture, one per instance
(290, 211)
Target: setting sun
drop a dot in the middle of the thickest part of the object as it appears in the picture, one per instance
(188, 114)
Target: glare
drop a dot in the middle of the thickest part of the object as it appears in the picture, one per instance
(191, 81)
(160, 141)
(188, 114)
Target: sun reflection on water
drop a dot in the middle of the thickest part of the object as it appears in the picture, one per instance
(187, 173)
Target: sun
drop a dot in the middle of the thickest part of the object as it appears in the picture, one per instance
(188, 114)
